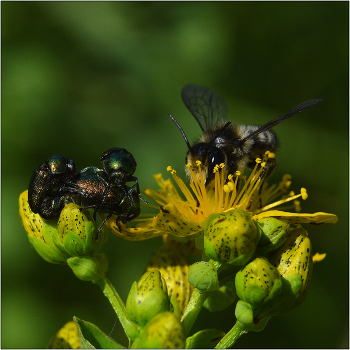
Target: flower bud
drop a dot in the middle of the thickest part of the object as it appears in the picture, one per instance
(77, 232)
(72, 234)
(203, 276)
(258, 282)
(294, 263)
(173, 267)
(231, 237)
(164, 331)
(147, 298)
(40, 233)
(259, 286)
(274, 233)
(87, 268)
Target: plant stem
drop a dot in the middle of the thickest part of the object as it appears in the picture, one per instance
(231, 337)
(130, 329)
(193, 308)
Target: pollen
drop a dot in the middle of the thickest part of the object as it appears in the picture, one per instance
(318, 257)
(270, 154)
(304, 194)
(258, 160)
(169, 168)
(198, 162)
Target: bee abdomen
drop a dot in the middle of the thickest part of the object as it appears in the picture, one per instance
(258, 145)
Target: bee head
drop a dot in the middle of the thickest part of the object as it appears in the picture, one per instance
(208, 155)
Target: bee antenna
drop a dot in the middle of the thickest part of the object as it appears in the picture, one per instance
(219, 133)
(181, 130)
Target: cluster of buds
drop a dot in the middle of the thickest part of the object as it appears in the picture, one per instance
(275, 263)
(70, 239)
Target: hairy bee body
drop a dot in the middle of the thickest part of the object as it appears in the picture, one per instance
(222, 147)
(235, 145)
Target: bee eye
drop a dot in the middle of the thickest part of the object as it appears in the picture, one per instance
(215, 157)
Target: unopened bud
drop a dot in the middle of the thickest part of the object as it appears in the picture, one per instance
(231, 237)
(164, 331)
(203, 276)
(147, 298)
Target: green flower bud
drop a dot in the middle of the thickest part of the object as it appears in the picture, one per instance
(56, 240)
(258, 282)
(40, 233)
(247, 317)
(88, 268)
(203, 276)
(147, 298)
(294, 263)
(231, 237)
(258, 285)
(220, 299)
(173, 266)
(164, 331)
(274, 233)
(77, 232)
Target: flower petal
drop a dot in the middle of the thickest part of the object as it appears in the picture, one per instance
(299, 218)
(140, 232)
(170, 220)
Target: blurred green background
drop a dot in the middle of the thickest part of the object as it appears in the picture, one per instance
(81, 77)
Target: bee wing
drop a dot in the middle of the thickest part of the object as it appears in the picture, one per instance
(281, 118)
(205, 105)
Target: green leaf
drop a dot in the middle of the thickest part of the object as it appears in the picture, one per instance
(91, 337)
(205, 339)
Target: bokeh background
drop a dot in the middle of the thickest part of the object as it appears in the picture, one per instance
(81, 77)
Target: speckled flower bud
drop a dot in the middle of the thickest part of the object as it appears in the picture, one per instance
(258, 282)
(164, 331)
(72, 234)
(294, 263)
(274, 233)
(259, 286)
(231, 237)
(173, 266)
(77, 232)
(203, 276)
(147, 298)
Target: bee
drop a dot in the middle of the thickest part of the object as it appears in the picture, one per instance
(235, 145)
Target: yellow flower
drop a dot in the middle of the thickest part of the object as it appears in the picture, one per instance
(187, 217)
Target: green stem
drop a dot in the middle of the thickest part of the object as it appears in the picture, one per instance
(193, 308)
(231, 337)
(130, 329)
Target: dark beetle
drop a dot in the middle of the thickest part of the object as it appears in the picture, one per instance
(56, 183)
(45, 189)
(92, 189)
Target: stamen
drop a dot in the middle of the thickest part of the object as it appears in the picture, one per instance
(282, 201)
(304, 195)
